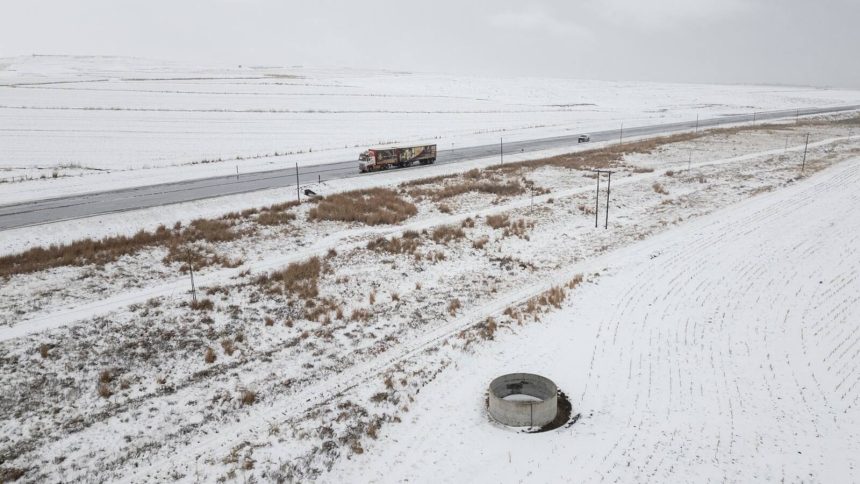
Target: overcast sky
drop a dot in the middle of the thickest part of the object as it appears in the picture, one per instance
(724, 41)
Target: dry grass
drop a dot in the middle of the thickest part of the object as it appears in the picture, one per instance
(487, 329)
(299, 279)
(658, 188)
(447, 233)
(247, 397)
(44, 350)
(586, 209)
(360, 314)
(450, 190)
(407, 244)
(104, 390)
(453, 306)
(209, 356)
(228, 346)
(427, 181)
(268, 321)
(204, 304)
(670, 173)
(519, 228)
(468, 223)
(480, 243)
(445, 208)
(498, 221)
(108, 249)
(375, 206)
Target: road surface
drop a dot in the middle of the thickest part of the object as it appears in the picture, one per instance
(91, 204)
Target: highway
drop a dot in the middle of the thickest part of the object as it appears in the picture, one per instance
(91, 204)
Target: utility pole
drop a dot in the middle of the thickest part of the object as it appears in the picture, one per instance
(298, 195)
(191, 271)
(237, 172)
(608, 186)
(621, 134)
(803, 165)
(597, 199)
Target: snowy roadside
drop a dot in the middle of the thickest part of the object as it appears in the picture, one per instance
(722, 349)
(143, 390)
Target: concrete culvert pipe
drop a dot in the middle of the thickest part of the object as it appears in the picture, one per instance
(523, 400)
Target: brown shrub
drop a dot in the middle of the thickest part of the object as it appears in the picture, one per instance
(372, 297)
(44, 350)
(228, 346)
(247, 397)
(105, 376)
(360, 314)
(488, 328)
(489, 187)
(104, 390)
(204, 304)
(275, 218)
(498, 221)
(407, 244)
(427, 181)
(659, 188)
(209, 356)
(473, 174)
(269, 321)
(375, 206)
(480, 243)
(453, 306)
(380, 397)
(670, 173)
(577, 280)
(447, 233)
(444, 208)
(519, 228)
(468, 223)
(299, 279)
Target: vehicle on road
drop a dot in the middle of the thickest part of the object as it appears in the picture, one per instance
(376, 159)
(583, 138)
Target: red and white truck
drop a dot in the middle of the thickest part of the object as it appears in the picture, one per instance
(396, 157)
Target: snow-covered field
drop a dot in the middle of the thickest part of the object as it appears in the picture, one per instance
(75, 124)
(693, 337)
(726, 349)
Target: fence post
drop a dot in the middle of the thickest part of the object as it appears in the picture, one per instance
(298, 195)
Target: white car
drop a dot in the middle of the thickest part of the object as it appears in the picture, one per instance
(583, 138)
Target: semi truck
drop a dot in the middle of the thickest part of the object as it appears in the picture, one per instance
(395, 157)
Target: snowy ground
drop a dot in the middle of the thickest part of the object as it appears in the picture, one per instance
(69, 124)
(109, 375)
(722, 350)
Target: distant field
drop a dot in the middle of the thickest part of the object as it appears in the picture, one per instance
(74, 114)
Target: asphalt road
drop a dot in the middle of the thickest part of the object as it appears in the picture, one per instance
(99, 203)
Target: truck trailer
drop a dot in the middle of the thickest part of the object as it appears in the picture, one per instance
(396, 157)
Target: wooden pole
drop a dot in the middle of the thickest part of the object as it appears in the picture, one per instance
(608, 186)
(597, 200)
(298, 195)
(803, 165)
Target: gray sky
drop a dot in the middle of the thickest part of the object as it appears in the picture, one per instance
(724, 41)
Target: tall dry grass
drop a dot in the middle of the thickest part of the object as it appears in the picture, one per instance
(375, 206)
